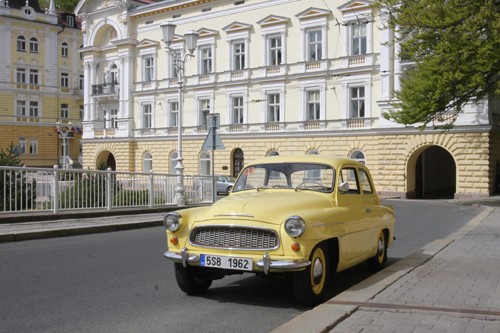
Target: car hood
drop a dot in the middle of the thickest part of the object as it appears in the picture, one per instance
(269, 207)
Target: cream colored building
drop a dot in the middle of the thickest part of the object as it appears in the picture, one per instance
(41, 82)
(285, 77)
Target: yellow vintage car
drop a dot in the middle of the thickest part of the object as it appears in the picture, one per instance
(305, 217)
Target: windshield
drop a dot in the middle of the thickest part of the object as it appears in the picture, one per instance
(297, 176)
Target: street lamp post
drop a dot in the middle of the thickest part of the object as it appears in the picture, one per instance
(179, 62)
(64, 135)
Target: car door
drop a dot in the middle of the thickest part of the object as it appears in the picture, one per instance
(358, 225)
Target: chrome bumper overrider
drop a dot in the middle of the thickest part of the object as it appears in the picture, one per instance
(266, 264)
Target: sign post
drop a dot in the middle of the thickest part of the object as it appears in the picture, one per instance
(213, 142)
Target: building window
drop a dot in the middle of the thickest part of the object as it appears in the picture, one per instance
(64, 111)
(34, 146)
(273, 108)
(205, 163)
(21, 146)
(33, 45)
(174, 113)
(21, 75)
(173, 162)
(81, 53)
(147, 116)
(358, 156)
(206, 60)
(81, 81)
(64, 80)
(70, 20)
(204, 105)
(111, 116)
(313, 105)
(81, 112)
(359, 39)
(64, 50)
(357, 105)
(314, 45)
(238, 55)
(148, 163)
(33, 76)
(21, 108)
(34, 109)
(149, 69)
(21, 43)
(275, 51)
(237, 112)
(172, 65)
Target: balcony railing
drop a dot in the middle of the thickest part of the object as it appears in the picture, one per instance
(105, 89)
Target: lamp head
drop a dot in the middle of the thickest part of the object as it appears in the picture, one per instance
(168, 30)
(191, 40)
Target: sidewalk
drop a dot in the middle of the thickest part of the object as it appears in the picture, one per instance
(451, 285)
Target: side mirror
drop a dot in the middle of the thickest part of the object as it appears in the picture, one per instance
(344, 187)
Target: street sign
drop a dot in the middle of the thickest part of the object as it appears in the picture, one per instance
(213, 141)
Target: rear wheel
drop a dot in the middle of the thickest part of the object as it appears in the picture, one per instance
(377, 262)
(312, 285)
(190, 282)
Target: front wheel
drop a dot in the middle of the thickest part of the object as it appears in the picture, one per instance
(190, 282)
(312, 285)
(377, 262)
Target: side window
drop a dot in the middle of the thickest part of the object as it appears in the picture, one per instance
(364, 182)
(348, 182)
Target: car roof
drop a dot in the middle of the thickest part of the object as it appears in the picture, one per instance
(323, 159)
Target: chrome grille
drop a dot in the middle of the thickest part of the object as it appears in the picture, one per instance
(229, 237)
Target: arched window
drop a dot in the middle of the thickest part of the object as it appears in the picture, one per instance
(205, 163)
(358, 156)
(173, 163)
(238, 161)
(64, 50)
(33, 45)
(273, 152)
(148, 163)
(21, 43)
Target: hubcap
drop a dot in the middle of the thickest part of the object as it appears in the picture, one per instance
(317, 271)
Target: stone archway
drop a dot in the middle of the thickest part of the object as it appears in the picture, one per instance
(432, 174)
(105, 160)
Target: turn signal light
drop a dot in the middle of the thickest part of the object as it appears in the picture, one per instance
(174, 240)
(296, 247)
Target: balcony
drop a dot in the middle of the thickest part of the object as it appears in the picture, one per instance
(105, 89)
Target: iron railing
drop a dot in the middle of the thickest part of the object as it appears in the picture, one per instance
(25, 189)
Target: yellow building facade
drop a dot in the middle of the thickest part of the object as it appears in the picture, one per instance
(284, 77)
(41, 84)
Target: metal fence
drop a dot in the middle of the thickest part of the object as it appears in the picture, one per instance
(25, 189)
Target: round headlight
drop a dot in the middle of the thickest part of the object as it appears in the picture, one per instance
(172, 221)
(295, 226)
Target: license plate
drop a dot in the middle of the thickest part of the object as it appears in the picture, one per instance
(241, 264)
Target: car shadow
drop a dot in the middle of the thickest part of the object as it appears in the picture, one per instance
(277, 291)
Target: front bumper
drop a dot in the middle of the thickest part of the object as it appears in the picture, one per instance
(266, 265)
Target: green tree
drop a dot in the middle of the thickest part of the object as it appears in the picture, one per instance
(16, 192)
(455, 46)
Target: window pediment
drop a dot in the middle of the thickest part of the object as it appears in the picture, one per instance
(147, 43)
(204, 32)
(273, 20)
(312, 12)
(237, 27)
(355, 5)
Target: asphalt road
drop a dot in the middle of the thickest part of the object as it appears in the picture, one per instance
(119, 281)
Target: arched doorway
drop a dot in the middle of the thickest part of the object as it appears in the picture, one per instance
(435, 174)
(238, 161)
(105, 160)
